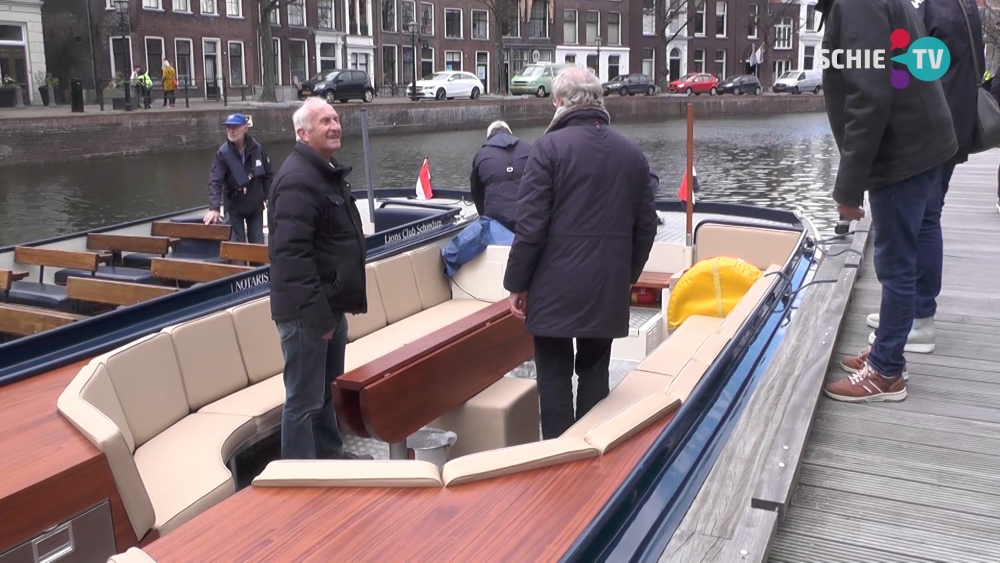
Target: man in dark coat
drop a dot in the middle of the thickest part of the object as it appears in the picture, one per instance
(496, 173)
(585, 225)
(242, 174)
(317, 252)
(894, 141)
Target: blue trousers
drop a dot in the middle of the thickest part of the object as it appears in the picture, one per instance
(906, 219)
(247, 228)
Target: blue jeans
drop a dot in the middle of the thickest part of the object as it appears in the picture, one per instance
(930, 248)
(244, 225)
(309, 420)
(905, 216)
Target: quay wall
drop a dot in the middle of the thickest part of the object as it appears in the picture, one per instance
(58, 137)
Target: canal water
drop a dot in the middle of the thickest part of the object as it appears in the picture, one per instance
(786, 161)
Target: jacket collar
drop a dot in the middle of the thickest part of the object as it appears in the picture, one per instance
(579, 115)
(249, 144)
(332, 170)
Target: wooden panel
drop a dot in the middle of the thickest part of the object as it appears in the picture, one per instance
(24, 320)
(129, 243)
(8, 277)
(404, 401)
(256, 253)
(57, 258)
(192, 270)
(191, 230)
(653, 280)
(113, 292)
(50, 471)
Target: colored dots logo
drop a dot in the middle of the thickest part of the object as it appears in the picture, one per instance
(927, 59)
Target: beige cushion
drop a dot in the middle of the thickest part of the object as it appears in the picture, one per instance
(670, 356)
(258, 338)
(423, 323)
(403, 473)
(262, 402)
(147, 379)
(359, 326)
(428, 270)
(665, 258)
(502, 415)
(756, 245)
(398, 287)
(368, 348)
(482, 277)
(633, 387)
(133, 555)
(630, 421)
(711, 348)
(685, 382)
(742, 311)
(209, 357)
(98, 390)
(496, 463)
(184, 470)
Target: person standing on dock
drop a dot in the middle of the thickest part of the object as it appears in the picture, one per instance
(895, 135)
(242, 172)
(496, 173)
(317, 253)
(585, 224)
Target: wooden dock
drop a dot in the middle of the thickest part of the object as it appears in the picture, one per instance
(806, 478)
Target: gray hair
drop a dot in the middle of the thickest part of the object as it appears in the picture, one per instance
(576, 86)
(303, 117)
(496, 127)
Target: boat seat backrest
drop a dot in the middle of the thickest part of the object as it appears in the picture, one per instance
(258, 339)
(758, 246)
(209, 358)
(742, 311)
(398, 286)
(515, 459)
(356, 473)
(372, 320)
(666, 258)
(482, 277)
(100, 393)
(428, 270)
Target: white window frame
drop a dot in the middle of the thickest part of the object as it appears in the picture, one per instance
(517, 27)
(192, 69)
(276, 14)
(173, 7)
(619, 25)
(145, 51)
(220, 68)
(156, 7)
(402, 23)
(784, 64)
(319, 54)
(305, 53)
(725, 18)
(576, 26)
(783, 35)
(239, 4)
(461, 23)
(699, 12)
(754, 10)
(649, 18)
(127, 73)
(433, 60)
(214, 3)
(486, 83)
(586, 27)
(461, 58)
(243, 61)
(725, 57)
(277, 53)
(703, 55)
(472, 29)
(301, 5)
(395, 19)
(806, 24)
(812, 63)
(652, 63)
(395, 67)
(420, 19)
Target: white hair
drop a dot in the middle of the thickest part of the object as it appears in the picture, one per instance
(495, 126)
(304, 116)
(577, 86)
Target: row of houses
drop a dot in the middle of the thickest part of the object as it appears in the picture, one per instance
(216, 43)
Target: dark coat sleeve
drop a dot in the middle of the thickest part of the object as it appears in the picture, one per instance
(216, 182)
(644, 229)
(477, 188)
(268, 174)
(534, 210)
(867, 97)
(293, 256)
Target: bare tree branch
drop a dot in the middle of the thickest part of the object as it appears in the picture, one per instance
(769, 16)
(503, 13)
(665, 13)
(267, 45)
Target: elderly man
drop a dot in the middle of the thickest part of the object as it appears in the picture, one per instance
(586, 221)
(242, 173)
(496, 173)
(317, 252)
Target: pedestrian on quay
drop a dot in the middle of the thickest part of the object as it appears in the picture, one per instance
(169, 83)
(585, 224)
(496, 174)
(317, 253)
(945, 20)
(241, 175)
(894, 144)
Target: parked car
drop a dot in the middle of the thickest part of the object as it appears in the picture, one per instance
(536, 79)
(448, 84)
(695, 83)
(740, 84)
(339, 84)
(630, 85)
(797, 81)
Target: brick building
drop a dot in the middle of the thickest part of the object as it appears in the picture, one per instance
(593, 34)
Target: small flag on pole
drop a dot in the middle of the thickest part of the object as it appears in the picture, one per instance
(424, 189)
(683, 191)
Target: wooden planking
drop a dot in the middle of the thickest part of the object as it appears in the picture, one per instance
(113, 292)
(50, 471)
(653, 280)
(245, 252)
(129, 243)
(24, 320)
(191, 230)
(7, 277)
(193, 270)
(57, 258)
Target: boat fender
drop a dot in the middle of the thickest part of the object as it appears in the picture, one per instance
(711, 288)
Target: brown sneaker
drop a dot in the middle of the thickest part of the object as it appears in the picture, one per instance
(866, 386)
(852, 364)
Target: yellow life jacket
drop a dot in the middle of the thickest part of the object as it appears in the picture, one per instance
(712, 288)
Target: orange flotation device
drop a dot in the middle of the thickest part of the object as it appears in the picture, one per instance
(712, 288)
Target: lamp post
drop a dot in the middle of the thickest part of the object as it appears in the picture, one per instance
(121, 7)
(412, 28)
(597, 40)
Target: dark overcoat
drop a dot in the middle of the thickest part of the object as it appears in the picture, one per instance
(496, 174)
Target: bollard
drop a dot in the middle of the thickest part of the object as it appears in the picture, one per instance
(187, 103)
(225, 97)
(76, 95)
(243, 92)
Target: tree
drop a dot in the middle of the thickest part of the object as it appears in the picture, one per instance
(502, 13)
(769, 18)
(664, 13)
(267, 45)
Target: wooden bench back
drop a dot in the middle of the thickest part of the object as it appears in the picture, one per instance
(8, 277)
(129, 243)
(254, 253)
(191, 230)
(57, 258)
(193, 271)
(22, 320)
(113, 292)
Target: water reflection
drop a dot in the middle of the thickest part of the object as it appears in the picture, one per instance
(782, 161)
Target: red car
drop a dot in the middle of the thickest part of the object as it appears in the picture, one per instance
(695, 83)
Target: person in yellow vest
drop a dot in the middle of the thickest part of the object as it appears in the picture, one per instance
(145, 84)
(169, 83)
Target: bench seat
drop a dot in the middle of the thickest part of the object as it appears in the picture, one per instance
(144, 261)
(46, 295)
(110, 273)
(262, 402)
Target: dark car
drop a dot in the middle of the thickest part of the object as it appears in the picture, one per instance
(630, 85)
(742, 84)
(339, 84)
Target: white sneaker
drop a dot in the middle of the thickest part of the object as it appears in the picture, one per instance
(921, 338)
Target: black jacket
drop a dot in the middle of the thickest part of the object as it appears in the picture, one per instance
(884, 134)
(494, 189)
(944, 20)
(222, 183)
(316, 243)
(586, 221)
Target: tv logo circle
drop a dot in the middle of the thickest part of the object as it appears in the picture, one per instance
(927, 58)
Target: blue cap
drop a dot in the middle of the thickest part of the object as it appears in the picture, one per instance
(237, 119)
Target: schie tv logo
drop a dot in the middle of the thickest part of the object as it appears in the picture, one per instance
(927, 59)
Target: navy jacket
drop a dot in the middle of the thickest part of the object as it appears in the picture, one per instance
(221, 182)
(494, 189)
(586, 220)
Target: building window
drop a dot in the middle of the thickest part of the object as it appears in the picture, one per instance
(389, 65)
(593, 27)
(359, 61)
(453, 60)
(699, 60)
(811, 17)
(699, 19)
(752, 13)
(480, 24)
(407, 75)
(720, 64)
(297, 66)
(511, 27)
(426, 18)
(649, 17)
(325, 14)
(237, 72)
(121, 56)
(276, 48)
(783, 34)
(212, 62)
(208, 8)
(570, 59)
(154, 58)
(614, 66)
(453, 23)
(614, 28)
(407, 15)
(648, 62)
(296, 14)
(389, 16)
(538, 25)
(184, 61)
(234, 8)
(807, 62)
(182, 6)
(327, 56)
(570, 27)
(357, 16)
(483, 68)
(720, 19)
(151, 5)
(780, 67)
(426, 61)
(274, 16)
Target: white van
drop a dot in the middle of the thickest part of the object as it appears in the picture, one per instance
(797, 81)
